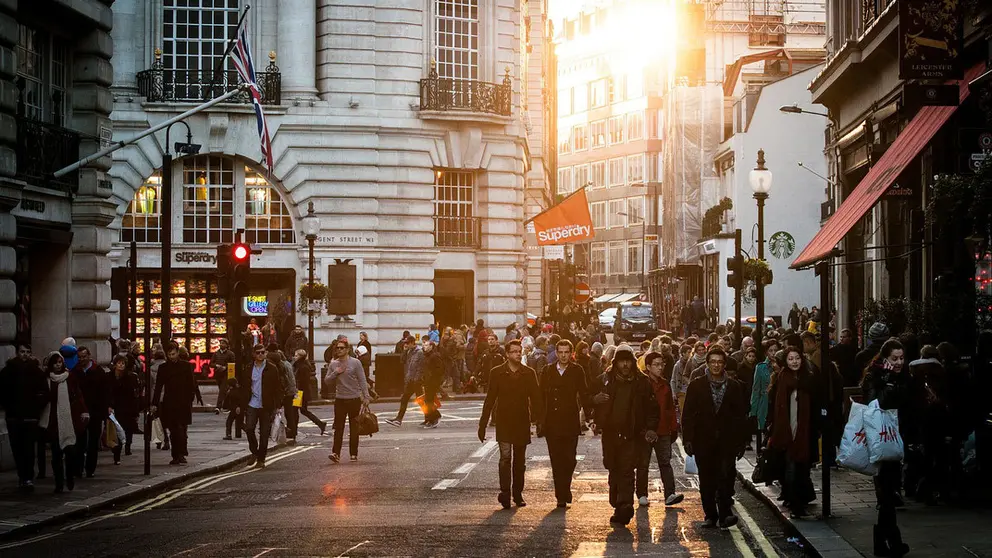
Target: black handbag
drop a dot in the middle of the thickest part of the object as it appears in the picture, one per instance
(770, 467)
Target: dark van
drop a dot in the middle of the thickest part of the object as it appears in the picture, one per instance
(635, 322)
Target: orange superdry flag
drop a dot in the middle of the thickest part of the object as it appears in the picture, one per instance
(569, 221)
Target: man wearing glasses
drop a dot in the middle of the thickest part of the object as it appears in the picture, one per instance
(265, 396)
(714, 430)
(352, 392)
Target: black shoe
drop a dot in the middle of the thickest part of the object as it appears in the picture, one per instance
(166, 447)
(881, 548)
(323, 427)
(127, 451)
(158, 445)
(897, 548)
(562, 504)
(70, 483)
(504, 500)
(182, 460)
(728, 522)
(620, 518)
(175, 462)
(709, 523)
(519, 502)
(228, 438)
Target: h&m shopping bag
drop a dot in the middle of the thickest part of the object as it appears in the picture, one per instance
(882, 430)
(854, 453)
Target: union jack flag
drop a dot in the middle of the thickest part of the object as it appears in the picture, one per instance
(245, 66)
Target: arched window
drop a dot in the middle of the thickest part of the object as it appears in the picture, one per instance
(219, 195)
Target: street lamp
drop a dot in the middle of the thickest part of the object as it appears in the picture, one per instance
(761, 183)
(795, 109)
(311, 226)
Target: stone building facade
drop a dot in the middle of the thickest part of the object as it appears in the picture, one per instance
(400, 120)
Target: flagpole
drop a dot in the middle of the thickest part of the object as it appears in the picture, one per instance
(230, 46)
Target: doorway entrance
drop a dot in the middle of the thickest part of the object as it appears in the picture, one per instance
(454, 298)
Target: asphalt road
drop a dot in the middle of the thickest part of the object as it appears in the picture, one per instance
(413, 492)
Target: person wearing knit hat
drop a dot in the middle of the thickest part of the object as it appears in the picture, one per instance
(878, 334)
(628, 413)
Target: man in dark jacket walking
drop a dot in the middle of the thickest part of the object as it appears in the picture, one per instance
(94, 382)
(175, 378)
(513, 387)
(627, 412)
(714, 429)
(264, 389)
(219, 362)
(297, 340)
(563, 389)
(23, 394)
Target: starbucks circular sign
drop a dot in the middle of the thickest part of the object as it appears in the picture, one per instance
(781, 244)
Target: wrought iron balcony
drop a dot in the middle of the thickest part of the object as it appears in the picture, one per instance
(457, 232)
(43, 149)
(158, 84)
(870, 10)
(445, 94)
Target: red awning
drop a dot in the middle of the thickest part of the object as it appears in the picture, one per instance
(907, 146)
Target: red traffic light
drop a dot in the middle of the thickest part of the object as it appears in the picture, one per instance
(241, 252)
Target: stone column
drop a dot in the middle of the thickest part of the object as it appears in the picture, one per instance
(129, 44)
(297, 48)
(93, 209)
(10, 192)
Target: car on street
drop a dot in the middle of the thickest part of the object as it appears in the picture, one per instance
(750, 321)
(606, 318)
(635, 322)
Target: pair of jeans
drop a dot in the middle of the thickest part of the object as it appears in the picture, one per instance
(512, 464)
(662, 449)
(261, 419)
(130, 426)
(237, 419)
(409, 390)
(717, 474)
(88, 444)
(63, 465)
(346, 408)
(562, 450)
(620, 456)
(23, 434)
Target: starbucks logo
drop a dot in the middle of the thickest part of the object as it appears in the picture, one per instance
(781, 245)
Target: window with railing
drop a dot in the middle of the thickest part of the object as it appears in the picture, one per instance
(870, 10)
(455, 223)
(142, 223)
(456, 39)
(195, 34)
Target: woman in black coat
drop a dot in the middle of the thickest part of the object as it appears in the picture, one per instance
(126, 402)
(886, 381)
(305, 376)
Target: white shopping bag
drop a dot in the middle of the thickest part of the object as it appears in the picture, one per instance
(882, 431)
(854, 453)
(121, 436)
(158, 433)
(278, 434)
(690, 465)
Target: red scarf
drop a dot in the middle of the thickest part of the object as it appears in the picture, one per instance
(798, 449)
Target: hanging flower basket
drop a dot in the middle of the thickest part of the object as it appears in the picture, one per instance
(755, 269)
(313, 296)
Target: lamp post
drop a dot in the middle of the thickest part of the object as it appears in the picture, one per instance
(761, 183)
(311, 226)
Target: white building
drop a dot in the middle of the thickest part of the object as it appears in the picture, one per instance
(400, 120)
(792, 210)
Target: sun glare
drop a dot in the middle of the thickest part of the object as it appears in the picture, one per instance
(642, 33)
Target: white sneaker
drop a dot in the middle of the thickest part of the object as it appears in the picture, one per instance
(643, 501)
(674, 499)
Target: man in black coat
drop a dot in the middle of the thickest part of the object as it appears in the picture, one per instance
(95, 384)
(264, 392)
(175, 377)
(513, 387)
(563, 387)
(714, 430)
(23, 394)
(627, 412)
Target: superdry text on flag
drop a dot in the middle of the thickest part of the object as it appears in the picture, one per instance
(569, 221)
(245, 66)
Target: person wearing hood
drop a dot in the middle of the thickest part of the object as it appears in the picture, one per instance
(297, 340)
(878, 333)
(23, 394)
(514, 389)
(69, 353)
(628, 413)
(714, 431)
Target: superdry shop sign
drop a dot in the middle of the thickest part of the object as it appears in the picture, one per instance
(930, 39)
(567, 222)
(194, 258)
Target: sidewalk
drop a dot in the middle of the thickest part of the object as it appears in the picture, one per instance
(209, 393)
(208, 453)
(931, 531)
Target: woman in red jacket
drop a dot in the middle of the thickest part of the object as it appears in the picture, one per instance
(668, 430)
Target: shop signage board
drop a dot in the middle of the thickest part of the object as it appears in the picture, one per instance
(930, 40)
(184, 257)
(358, 238)
(256, 305)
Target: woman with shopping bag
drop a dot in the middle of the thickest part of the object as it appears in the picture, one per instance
(63, 418)
(792, 427)
(886, 381)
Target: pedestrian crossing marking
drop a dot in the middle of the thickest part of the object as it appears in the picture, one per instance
(445, 484)
(485, 449)
(464, 469)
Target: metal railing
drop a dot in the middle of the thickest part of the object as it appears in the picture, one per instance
(158, 84)
(443, 94)
(458, 232)
(870, 10)
(43, 149)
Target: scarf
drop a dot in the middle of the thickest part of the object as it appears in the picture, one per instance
(798, 448)
(718, 388)
(63, 413)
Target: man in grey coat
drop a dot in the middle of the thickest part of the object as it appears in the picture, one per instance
(413, 374)
(288, 381)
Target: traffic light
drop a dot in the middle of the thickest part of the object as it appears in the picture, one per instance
(735, 272)
(240, 270)
(223, 272)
